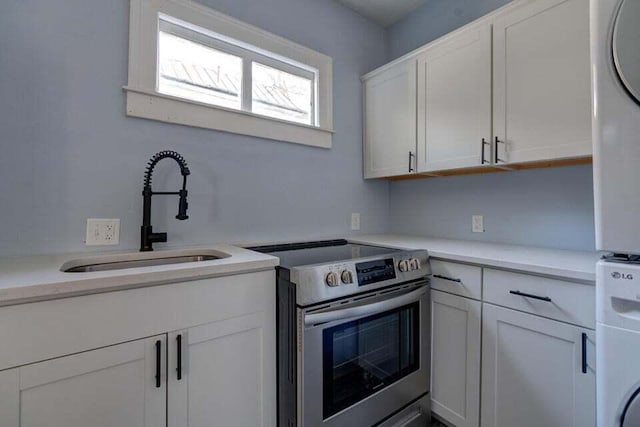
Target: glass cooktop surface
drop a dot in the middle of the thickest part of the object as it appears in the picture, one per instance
(300, 254)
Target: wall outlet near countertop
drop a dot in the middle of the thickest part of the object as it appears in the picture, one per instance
(355, 221)
(101, 231)
(477, 224)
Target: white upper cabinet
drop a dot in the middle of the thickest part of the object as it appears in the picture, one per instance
(512, 88)
(390, 121)
(110, 387)
(454, 101)
(542, 104)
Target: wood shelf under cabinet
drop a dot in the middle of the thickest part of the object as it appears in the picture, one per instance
(494, 169)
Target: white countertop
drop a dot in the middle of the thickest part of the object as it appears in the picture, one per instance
(35, 278)
(574, 265)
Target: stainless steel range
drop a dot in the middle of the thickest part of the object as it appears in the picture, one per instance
(353, 335)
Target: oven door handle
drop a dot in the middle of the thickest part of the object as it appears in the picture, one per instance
(363, 310)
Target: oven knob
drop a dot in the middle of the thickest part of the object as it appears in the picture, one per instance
(415, 264)
(347, 277)
(332, 279)
(403, 266)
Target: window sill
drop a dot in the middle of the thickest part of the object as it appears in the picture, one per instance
(156, 106)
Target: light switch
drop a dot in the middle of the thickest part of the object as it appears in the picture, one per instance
(477, 224)
(355, 221)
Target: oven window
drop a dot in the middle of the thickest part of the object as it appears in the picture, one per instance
(366, 355)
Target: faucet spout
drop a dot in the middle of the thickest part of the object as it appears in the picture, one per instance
(147, 236)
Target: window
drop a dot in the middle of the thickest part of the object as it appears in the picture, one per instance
(191, 65)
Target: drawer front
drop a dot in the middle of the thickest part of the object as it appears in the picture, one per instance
(460, 279)
(556, 299)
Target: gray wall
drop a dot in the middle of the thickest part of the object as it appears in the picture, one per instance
(70, 153)
(545, 207)
(434, 19)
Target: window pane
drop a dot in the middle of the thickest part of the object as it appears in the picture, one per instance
(194, 71)
(281, 95)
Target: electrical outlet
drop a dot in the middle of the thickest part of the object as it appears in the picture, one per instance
(102, 231)
(355, 221)
(477, 224)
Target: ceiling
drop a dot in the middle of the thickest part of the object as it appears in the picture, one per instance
(384, 12)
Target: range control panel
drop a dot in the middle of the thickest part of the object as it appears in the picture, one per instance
(375, 271)
(323, 282)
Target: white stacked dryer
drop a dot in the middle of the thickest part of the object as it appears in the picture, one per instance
(615, 50)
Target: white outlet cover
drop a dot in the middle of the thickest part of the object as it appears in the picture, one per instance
(477, 224)
(355, 221)
(102, 231)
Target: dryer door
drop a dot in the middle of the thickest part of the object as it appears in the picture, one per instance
(626, 39)
(631, 414)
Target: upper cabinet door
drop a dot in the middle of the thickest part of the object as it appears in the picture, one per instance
(542, 104)
(390, 121)
(110, 387)
(454, 102)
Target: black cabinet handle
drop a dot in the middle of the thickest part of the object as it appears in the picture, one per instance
(523, 294)
(584, 353)
(411, 155)
(498, 159)
(484, 142)
(158, 361)
(179, 364)
(437, 276)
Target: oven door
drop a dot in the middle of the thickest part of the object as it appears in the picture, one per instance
(364, 358)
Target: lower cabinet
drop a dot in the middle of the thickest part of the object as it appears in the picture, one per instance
(455, 360)
(217, 374)
(109, 387)
(208, 358)
(536, 372)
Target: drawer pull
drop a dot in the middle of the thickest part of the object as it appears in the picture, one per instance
(584, 353)
(437, 276)
(522, 294)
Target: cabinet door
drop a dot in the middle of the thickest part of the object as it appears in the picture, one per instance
(542, 82)
(390, 121)
(455, 359)
(454, 102)
(532, 371)
(109, 387)
(227, 374)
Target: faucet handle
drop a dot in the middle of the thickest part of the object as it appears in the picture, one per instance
(183, 205)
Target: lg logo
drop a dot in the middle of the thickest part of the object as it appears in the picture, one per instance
(625, 276)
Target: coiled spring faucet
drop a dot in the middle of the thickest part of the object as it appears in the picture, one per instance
(147, 236)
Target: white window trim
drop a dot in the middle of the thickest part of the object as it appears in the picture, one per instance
(144, 100)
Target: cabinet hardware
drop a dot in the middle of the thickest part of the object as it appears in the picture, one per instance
(484, 142)
(158, 361)
(179, 361)
(437, 276)
(498, 160)
(523, 294)
(411, 156)
(584, 353)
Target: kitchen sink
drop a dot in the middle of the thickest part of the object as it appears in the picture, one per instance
(140, 259)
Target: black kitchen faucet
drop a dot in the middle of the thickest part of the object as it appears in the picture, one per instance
(147, 236)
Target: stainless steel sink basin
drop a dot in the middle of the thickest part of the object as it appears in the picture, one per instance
(139, 259)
